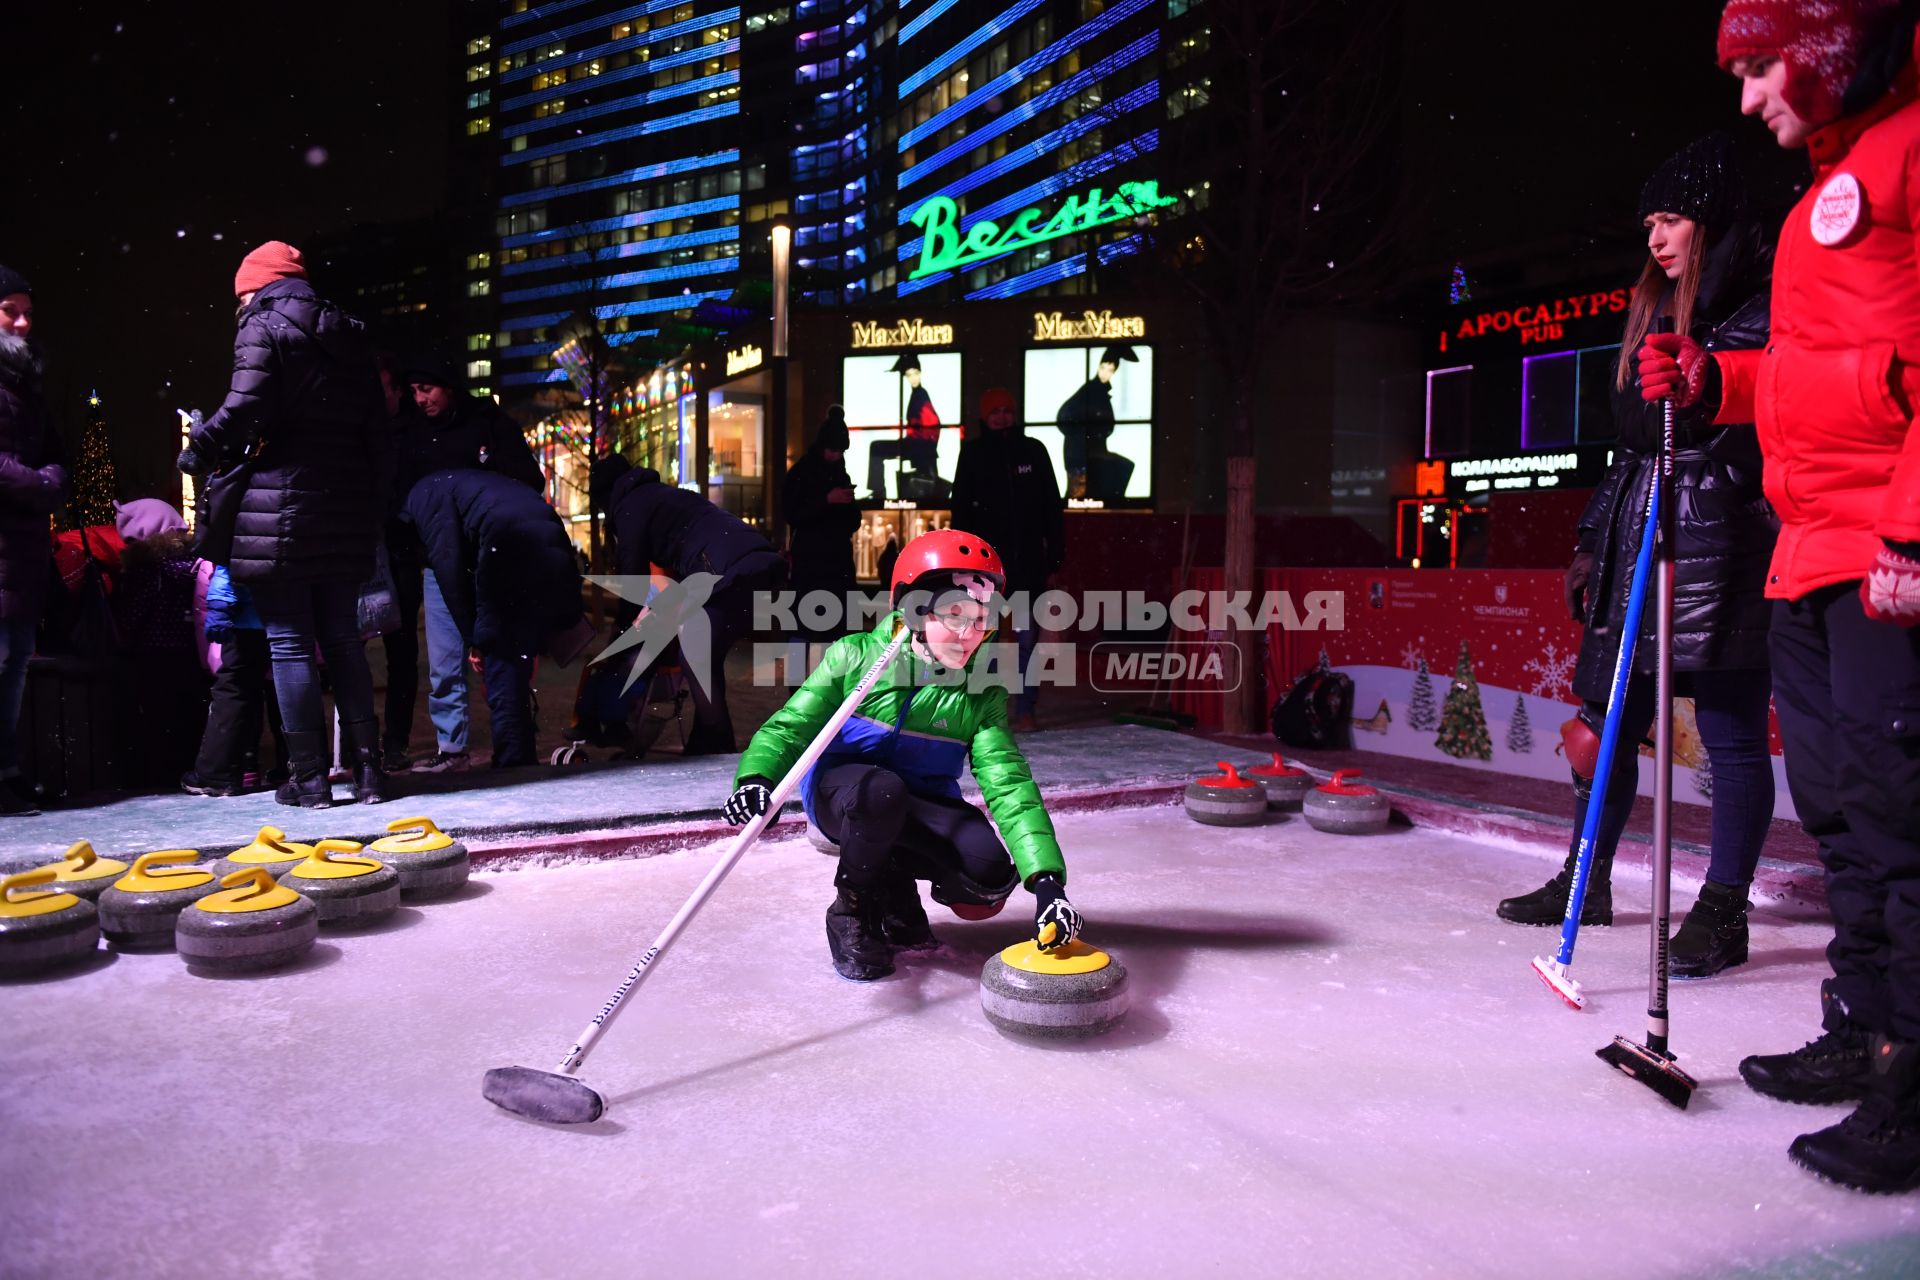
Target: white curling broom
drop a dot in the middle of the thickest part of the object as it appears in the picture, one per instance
(560, 1096)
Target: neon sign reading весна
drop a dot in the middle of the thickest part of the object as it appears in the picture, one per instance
(945, 248)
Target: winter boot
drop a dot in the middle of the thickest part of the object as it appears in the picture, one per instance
(1877, 1148)
(1547, 905)
(360, 747)
(903, 920)
(1833, 1068)
(306, 785)
(1714, 935)
(855, 936)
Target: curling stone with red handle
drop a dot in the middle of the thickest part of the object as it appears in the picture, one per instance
(1345, 806)
(1226, 799)
(1285, 785)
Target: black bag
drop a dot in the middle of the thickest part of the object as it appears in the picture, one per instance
(216, 510)
(1317, 712)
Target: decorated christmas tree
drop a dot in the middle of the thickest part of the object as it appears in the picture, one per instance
(93, 480)
(1458, 290)
(1463, 722)
(1519, 732)
(1420, 712)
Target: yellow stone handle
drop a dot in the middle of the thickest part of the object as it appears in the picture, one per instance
(259, 879)
(78, 858)
(325, 847)
(1048, 934)
(171, 860)
(24, 880)
(272, 838)
(424, 826)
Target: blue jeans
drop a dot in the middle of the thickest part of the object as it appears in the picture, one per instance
(1730, 707)
(446, 671)
(16, 646)
(300, 616)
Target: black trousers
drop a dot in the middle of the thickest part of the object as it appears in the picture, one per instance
(509, 679)
(1847, 691)
(241, 693)
(729, 618)
(881, 826)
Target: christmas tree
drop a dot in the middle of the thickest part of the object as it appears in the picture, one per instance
(93, 481)
(1458, 290)
(1519, 732)
(1420, 714)
(1463, 722)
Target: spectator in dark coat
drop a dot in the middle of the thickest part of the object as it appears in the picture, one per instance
(1004, 491)
(402, 644)
(454, 429)
(33, 485)
(511, 583)
(817, 499)
(305, 405)
(659, 524)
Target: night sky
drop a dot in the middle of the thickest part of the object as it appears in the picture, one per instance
(151, 144)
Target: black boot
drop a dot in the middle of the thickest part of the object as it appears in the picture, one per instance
(903, 921)
(1833, 1068)
(1877, 1148)
(1714, 935)
(306, 784)
(855, 938)
(360, 744)
(1547, 905)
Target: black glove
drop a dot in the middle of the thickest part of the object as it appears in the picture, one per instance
(1051, 908)
(749, 800)
(190, 463)
(1577, 574)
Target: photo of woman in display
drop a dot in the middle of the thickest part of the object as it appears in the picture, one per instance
(917, 446)
(1086, 421)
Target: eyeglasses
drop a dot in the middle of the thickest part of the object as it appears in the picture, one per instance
(961, 626)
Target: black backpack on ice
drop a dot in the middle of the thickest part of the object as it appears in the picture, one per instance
(1317, 712)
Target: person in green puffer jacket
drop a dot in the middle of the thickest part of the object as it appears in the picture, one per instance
(887, 788)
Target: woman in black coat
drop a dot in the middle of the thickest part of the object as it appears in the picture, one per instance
(33, 485)
(305, 406)
(817, 499)
(1708, 273)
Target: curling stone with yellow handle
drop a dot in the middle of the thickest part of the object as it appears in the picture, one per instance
(1070, 993)
(138, 910)
(346, 890)
(270, 849)
(251, 924)
(83, 873)
(431, 863)
(40, 929)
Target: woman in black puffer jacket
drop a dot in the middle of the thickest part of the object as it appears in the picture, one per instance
(1708, 273)
(33, 485)
(306, 405)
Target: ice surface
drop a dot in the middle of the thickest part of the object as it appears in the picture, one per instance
(1338, 1064)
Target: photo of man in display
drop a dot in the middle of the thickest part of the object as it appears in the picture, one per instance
(1086, 421)
(917, 446)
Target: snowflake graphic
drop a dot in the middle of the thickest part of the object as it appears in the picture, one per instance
(1410, 656)
(1553, 672)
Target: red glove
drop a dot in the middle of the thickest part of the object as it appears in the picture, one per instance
(1673, 367)
(1891, 590)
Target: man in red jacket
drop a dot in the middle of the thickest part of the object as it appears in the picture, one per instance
(1835, 394)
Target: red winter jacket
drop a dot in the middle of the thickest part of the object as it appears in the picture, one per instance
(1835, 391)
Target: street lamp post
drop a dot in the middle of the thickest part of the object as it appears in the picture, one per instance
(782, 262)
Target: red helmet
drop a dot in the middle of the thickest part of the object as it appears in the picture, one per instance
(945, 551)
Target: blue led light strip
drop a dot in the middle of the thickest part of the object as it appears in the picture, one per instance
(1027, 152)
(538, 12)
(632, 249)
(642, 174)
(1032, 107)
(609, 21)
(1052, 184)
(987, 31)
(684, 301)
(645, 128)
(1053, 272)
(522, 379)
(625, 280)
(916, 25)
(661, 63)
(664, 213)
(631, 102)
(717, 18)
(978, 95)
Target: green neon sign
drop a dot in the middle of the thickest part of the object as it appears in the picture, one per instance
(945, 248)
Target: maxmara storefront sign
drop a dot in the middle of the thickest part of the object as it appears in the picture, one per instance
(945, 248)
(900, 333)
(1088, 326)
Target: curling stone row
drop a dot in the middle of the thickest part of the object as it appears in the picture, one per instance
(430, 863)
(1345, 806)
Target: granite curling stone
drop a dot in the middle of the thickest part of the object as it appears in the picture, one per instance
(252, 924)
(346, 890)
(1071, 993)
(431, 863)
(83, 873)
(1346, 807)
(138, 910)
(1226, 799)
(1285, 785)
(270, 849)
(40, 929)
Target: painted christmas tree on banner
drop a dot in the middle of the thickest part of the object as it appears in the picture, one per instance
(1420, 712)
(1463, 722)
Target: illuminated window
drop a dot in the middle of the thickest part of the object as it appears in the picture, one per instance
(479, 44)
(541, 110)
(479, 288)
(479, 125)
(480, 99)
(478, 71)
(479, 369)
(479, 261)
(479, 342)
